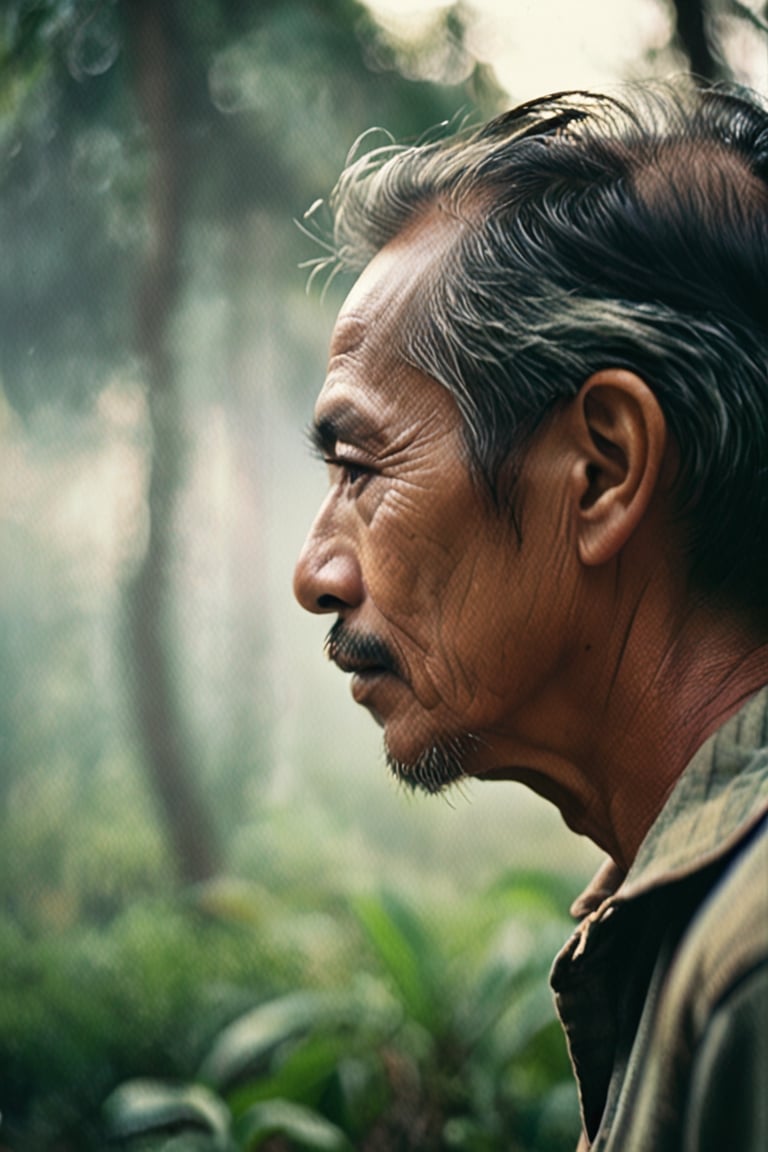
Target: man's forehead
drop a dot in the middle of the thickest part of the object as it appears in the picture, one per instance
(363, 391)
(376, 298)
(394, 278)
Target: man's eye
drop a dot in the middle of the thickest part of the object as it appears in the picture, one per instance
(349, 471)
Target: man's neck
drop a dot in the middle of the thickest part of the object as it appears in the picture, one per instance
(610, 749)
(690, 703)
(666, 701)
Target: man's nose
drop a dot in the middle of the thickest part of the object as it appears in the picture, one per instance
(327, 576)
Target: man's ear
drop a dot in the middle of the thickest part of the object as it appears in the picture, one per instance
(622, 436)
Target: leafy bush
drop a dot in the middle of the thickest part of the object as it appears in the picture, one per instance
(445, 1039)
(84, 1008)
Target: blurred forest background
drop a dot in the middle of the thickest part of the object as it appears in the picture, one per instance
(221, 926)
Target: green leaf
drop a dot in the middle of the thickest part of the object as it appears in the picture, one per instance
(527, 1017)
(302, 1126)
(246, 1046)
(408, 954)
(359, 1093)
(534, 891)
(146, 1107)
(488, 998)
(301, 1076)
(520, 954)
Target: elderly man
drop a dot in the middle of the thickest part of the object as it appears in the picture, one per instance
(545, 544)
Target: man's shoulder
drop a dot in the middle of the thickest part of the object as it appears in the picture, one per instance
(727, 938)
(704, 1013)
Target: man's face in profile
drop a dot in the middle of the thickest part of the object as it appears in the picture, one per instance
(451, 627)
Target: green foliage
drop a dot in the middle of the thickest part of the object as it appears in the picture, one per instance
(204, 1027)
(141, 1106)
(405, 951)
(445, 1038)
(83, 1008)
(302, 1127)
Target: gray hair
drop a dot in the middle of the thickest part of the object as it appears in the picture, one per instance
(602, 232)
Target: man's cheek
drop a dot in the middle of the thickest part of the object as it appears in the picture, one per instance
(392, 574)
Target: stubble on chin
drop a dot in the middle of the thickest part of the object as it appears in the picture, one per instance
(434, 770)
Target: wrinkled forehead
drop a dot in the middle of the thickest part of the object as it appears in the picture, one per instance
(373, 390)
(391, 294)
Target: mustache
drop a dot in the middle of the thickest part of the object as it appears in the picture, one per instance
(359, 650)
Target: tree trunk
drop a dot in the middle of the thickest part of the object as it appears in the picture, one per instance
(160, 716)
(694, 40)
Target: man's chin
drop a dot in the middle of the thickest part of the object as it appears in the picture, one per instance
(432, 770)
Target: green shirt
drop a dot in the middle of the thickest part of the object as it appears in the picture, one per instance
(663, 989)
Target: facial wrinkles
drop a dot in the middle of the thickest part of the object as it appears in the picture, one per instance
(474, 601)
(412, 504)
(391, 509)
(463, 606)
(418, 526)
(392, 513)
(451, 674)
(429, 650)
(447, 676)
(399, 438)
(450, 573)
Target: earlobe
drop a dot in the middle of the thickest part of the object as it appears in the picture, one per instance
(622, 436)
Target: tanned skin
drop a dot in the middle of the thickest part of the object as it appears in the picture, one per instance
(575, 658)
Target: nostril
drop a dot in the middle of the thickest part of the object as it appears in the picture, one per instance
(329, 603)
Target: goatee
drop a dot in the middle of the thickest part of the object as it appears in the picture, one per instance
(435, 769)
